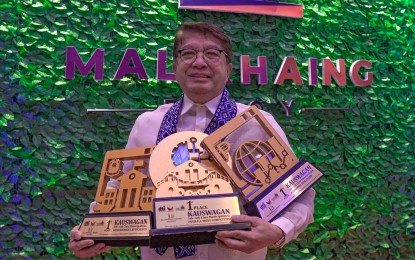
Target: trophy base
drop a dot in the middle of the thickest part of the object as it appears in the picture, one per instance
(121, 241)
(117, 229)
(279, 195)
(167, 237)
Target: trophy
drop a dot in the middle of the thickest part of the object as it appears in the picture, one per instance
(194, 185)
(122, 216)
(194, 198)
(266, 172)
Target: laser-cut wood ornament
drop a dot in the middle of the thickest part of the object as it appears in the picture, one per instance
(132, 194)
(195, 174)
(255, 165)
(122, 216)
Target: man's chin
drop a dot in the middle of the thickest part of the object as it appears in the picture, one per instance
(201, 95)
(200, 81)
(200, 88)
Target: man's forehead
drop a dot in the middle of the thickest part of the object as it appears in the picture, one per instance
(190, 37)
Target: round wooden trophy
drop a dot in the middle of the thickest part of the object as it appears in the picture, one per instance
(194, 198)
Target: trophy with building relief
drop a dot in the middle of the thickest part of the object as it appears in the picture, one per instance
(122, 216)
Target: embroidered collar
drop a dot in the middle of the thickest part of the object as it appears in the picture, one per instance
(224, 112)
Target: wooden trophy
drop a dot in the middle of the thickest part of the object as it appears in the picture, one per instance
(122, 216)
(266, 172)
(194, 198)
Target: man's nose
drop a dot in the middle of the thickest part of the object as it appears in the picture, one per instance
(199, 60)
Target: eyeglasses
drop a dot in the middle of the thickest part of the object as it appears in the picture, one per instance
(188, 56)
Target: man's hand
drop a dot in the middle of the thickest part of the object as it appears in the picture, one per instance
(84, 248)
(262, 234)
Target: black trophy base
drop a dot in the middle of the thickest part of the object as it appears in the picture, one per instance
(121, 241)
(191, 235)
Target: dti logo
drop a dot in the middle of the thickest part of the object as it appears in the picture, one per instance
(245, 6)
(162, 208)
(263, 206)
(86, 223)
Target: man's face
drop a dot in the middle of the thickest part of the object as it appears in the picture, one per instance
(201, 81)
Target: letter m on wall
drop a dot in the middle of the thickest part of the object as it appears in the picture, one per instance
(74, 60)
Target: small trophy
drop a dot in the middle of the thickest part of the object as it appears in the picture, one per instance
(194, 199)
(266, 172)
(123, 216)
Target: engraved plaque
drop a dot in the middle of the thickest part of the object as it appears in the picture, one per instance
(190, 211)
(120, 229)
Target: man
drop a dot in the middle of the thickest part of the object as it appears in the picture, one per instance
(202, 64)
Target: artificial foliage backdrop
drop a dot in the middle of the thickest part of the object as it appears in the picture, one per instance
(52, 149)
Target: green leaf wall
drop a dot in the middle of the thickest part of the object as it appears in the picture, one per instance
(52, 149)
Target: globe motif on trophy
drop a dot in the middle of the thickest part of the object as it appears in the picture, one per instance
(255, 162)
